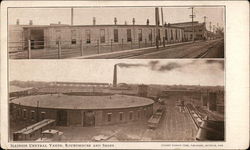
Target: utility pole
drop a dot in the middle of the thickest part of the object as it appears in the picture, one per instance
(210, 29)
(72, 16)
(204, 26)
(163, 39)
(192, 16)
(213, 31)
(157, 26)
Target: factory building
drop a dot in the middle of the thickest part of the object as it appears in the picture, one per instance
(200, 31)
(16, 91)
(48, 36)
(143, 90)
(75, 110)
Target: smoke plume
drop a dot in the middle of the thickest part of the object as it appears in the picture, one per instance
(125, 65)
(153, 65)
(219, 62)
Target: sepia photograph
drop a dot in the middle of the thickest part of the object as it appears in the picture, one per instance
(116, 32)
(116, 100)
(124, 75)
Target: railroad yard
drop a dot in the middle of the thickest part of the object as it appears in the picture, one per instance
(198, 49)
(175, 125)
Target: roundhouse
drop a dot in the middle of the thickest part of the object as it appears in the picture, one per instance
(72, 110)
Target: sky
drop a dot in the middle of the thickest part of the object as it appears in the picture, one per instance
(168, 72)
(105, 15)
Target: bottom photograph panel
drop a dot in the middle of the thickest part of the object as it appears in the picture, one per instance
(116, 100)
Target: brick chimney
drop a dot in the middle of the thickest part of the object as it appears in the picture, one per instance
(31, 22)
(115, 20)
(94, 21)
(147, 21)
(17, 22)
(133, 21)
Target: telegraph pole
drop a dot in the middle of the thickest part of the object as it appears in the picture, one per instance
(72, 16)
(157, 26)
(192, 16)
(205, 17)
(163, 39)
(210, 29)
(213, 31)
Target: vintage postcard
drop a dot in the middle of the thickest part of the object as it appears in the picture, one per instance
(116, 32)
(124, 75)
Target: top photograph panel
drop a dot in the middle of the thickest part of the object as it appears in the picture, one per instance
(116, 32)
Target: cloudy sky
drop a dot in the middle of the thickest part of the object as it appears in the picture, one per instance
(105, 15)
(185, 72)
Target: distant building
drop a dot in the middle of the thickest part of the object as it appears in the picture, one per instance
(200, 31)
(15, 91)
(143, 90)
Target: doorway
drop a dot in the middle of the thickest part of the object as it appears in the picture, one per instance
(62, 118)
(37, 38)
(88, 119)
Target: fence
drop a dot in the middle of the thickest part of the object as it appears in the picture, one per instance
(65, 49)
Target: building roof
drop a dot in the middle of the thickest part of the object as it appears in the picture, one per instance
(36, 126)
(61, 101)
(187, 24)
(211, 130)
(107, 25)
(18, 89)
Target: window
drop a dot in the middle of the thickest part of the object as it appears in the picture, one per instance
(109, 117)
(139, 114)
(121, 116)
(73, 36)
(42, 115)
(58, 36)
(176, 34)
(180, 34)
(18, 112)
(115, 35)
(130, 115)
(24, 113)
(32, 114)
(150, 35)
(102, 34)
(129, 35)
(171, 34)
(166, 34)
(140, 35)
(88, 37)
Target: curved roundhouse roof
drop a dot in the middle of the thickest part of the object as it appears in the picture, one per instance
(56, 101)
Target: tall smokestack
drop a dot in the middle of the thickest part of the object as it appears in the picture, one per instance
(115, 76)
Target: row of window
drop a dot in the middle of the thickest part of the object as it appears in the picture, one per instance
(23, 113)
(116, 35)
(130, 115)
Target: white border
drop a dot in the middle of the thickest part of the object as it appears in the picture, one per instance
(237, 71)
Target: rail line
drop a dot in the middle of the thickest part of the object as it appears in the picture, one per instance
(140, 53)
